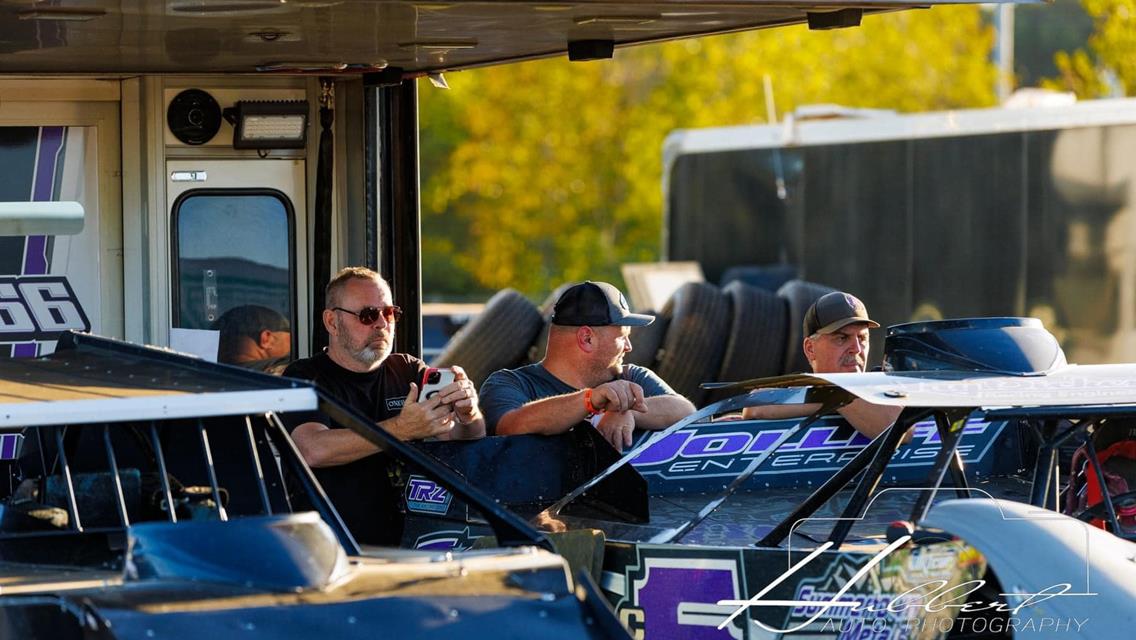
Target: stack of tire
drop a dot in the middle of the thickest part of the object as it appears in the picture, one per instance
(703, 334)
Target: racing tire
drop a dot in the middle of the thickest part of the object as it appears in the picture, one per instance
(699, 318)
(498, 338)
(768, 277)
(549, 303)
(535, 353)
(756, 346)
(540, 345)
(646, 341)
(799, 296)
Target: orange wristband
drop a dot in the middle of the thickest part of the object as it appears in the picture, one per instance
(588, 403)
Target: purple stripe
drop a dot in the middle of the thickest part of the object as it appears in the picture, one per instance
(24, 350)
(35, 255)
(8, 446)
(50, 145)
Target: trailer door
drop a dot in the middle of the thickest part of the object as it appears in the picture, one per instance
(237, 238)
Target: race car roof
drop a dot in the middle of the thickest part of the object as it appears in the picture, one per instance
(1073, 385)
(91, 379)
(324, 36)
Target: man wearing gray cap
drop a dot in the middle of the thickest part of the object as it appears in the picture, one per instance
(836, 341)
(582, 377)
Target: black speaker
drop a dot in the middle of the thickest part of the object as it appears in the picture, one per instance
(194, 117)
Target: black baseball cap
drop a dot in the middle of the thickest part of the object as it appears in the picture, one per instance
(596, 304)
(834, 311)
(249, 320)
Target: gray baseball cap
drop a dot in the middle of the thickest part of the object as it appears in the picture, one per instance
(596, 304)
(836, 310)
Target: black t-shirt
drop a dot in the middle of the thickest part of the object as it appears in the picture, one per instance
(361, 491)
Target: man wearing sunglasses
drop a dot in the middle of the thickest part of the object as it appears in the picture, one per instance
(582, 376)
(359, 369)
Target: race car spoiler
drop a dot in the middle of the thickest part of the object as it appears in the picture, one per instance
(1072, 385)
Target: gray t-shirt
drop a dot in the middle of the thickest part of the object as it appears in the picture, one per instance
(509, 389)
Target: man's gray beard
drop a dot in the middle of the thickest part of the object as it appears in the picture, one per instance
(368, 356)
(365, 356)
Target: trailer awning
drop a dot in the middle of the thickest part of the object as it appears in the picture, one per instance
(325, 36)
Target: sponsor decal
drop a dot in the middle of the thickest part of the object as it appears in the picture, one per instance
(694, 453)
(425, 496)
(38, 308)
(869, 618)
(395, 404)
(446, 540)
(673, 594)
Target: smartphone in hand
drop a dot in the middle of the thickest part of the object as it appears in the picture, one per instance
(433, 381)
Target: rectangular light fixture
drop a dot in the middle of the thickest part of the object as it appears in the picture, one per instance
(281, 124)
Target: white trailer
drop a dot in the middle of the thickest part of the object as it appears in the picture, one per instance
(1007, 211)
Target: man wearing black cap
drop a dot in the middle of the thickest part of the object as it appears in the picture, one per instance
(836, 341)
(582, 376)
(254, 337)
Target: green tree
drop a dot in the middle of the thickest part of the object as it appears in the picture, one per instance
(1107, 65)
(561, 181)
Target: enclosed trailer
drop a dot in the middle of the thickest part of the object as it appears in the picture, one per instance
(1009, 211)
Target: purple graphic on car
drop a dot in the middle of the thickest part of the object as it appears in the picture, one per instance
(681, 601)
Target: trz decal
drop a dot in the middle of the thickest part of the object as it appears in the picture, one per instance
(424, 496)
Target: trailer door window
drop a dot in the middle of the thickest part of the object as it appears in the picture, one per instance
(232, 248)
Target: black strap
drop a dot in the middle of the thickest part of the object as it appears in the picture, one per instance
(321, 232)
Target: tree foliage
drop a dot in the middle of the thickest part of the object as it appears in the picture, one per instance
(1107, 66)
(548, 171)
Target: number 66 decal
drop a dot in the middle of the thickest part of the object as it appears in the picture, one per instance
(38, 308)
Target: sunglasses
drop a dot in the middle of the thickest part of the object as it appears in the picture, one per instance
(370, 315)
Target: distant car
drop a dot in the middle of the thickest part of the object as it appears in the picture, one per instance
(151, 495)
(440, 321)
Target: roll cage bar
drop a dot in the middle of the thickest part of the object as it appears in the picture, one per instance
(261, 433)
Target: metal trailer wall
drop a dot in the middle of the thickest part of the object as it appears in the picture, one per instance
(1016, 223)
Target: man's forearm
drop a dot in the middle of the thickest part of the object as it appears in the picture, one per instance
(472, 431)
(780, 411)
(663, 411)
(324, 447)
(548, 416)
(869, 419)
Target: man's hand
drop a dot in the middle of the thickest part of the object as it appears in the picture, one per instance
(418, 420)
(619, 395)
(616, 427)
(461, 396)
